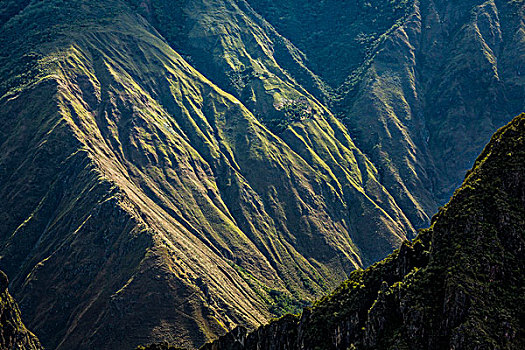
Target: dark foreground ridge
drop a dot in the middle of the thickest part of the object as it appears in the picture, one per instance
(13, 333)
(458, 285)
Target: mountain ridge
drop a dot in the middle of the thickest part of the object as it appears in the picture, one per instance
(13, 333)
(198, 171)
(104, 152)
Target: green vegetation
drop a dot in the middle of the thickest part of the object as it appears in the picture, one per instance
(279, 302)
(173, 169)
(336, 36)
(140, 174)
(294, 111)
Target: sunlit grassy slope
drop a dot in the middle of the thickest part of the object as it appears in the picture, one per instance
(144, 203)
(171, 169)
(420, 85)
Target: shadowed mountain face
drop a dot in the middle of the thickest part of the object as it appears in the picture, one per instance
(458, 285)
(13, 333)
(172, 169)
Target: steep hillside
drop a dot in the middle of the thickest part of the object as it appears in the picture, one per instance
(426, 102)
(237, 50)
(421, 85)
(146, 204)
(335, 36)
(172, 169)
(13, 333)
(458, 285)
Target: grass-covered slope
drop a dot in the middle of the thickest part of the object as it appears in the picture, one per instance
(243, 54)
(13, 334)
(172, 169)
(458, 285)
(420, 85)
(144, 203)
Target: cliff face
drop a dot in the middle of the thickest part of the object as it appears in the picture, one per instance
(458, 285)
(13, 334)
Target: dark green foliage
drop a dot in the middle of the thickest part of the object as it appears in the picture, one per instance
(167, 16)
(291, 111)
(336, 36)
(281, 303)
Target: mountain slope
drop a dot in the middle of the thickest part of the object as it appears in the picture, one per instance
(173, 169)
(142, 197)
(13, 333)
(243, 54)
(459, 285)
(439, 86)
(399, 74)
(418, 83)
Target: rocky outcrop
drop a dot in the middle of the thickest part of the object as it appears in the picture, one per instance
(13, 334)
